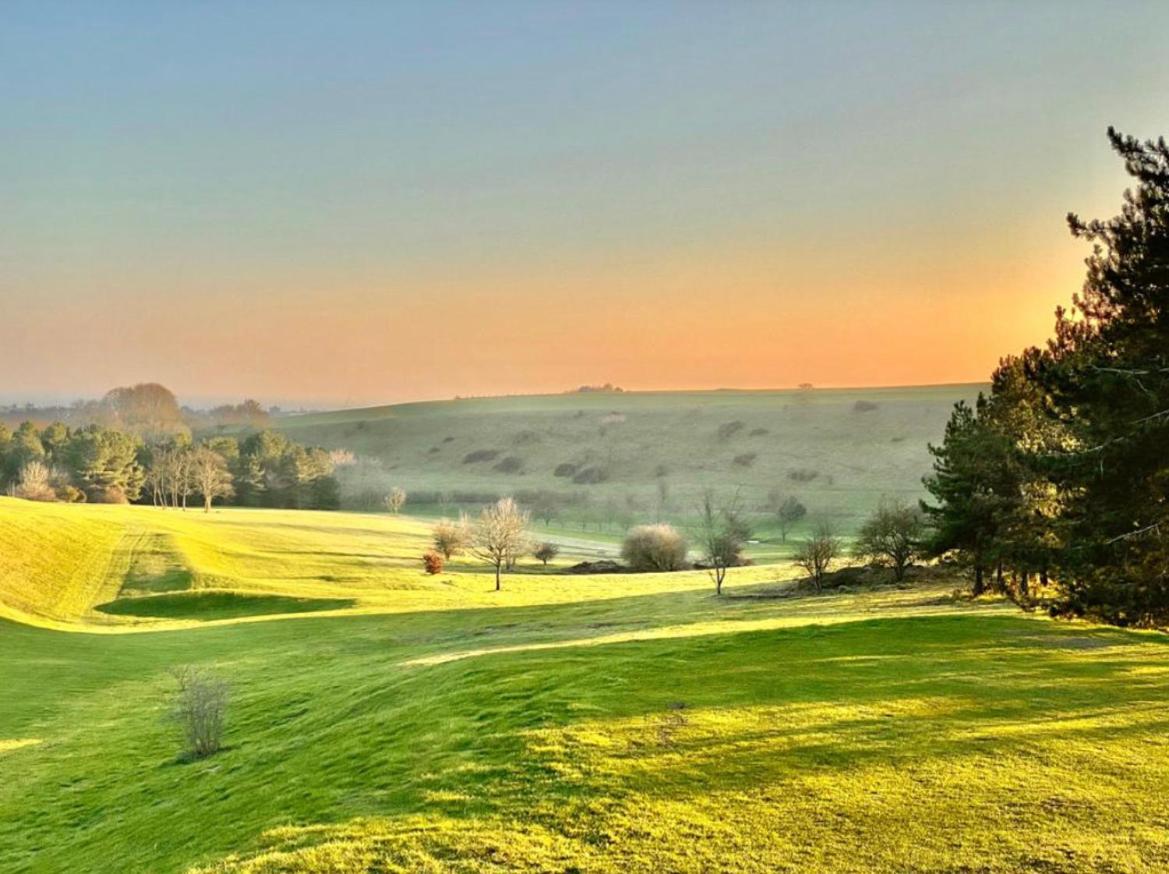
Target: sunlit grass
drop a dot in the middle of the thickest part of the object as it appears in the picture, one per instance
(597, 724)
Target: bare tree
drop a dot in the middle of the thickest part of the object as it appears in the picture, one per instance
(35, 483)
(722, 534)
(200, 709)
(546, 551)
(210, 476)
(891, 536)
(451, 538)
(816, 554)
(396, 500)
(501, 535)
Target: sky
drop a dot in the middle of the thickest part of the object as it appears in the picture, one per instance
(344, 203)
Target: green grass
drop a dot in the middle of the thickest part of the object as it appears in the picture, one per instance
(687, 440)
(593, 724)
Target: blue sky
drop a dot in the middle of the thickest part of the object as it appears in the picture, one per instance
(242, 174)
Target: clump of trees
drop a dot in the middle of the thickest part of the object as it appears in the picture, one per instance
(655, 548)
(1058, 479)
(105, 465)
(891, 537)
(816, 554)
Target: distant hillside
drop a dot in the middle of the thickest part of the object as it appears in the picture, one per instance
(609, 459)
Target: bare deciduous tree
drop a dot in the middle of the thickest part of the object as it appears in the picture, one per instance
(210, 476)
(816, 554)
(722, 534)
(35, 483)
(396, 500)
(546, 551)
(501, 535)
(891, 536)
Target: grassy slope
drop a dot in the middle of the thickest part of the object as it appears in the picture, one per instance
(858, 456)
(610, 723)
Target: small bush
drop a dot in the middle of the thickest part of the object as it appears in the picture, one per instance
(654, 548)
(864, 407)
(523, 438)
(451, 538)
(565, 469)
(746, 459)
(729, 429)
(511, 464)
(802, 475)
(432, 561)
(199, 709)
(480, 455)
(590, 476)
(759, 432)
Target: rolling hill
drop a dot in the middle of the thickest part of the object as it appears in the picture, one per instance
(604, 460)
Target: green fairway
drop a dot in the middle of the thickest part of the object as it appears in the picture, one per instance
(624, 457)
(628, 722)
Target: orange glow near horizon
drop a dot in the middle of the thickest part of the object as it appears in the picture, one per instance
(743, 322)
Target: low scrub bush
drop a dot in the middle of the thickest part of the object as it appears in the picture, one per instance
(199, 708)
(654, 548)
(480, 455)
(802, 475)
(590, 476)
(510, 464)
(727, 430)
(864, 407)
(432, 561)
(746, 459)
(565, 469)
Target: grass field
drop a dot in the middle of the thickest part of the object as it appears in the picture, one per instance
(837, 450)
(383, 720)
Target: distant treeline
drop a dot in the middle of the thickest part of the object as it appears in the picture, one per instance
(149, 456)
(1059, 478)
(147, 408)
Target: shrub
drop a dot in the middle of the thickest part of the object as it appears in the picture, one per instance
(729, 429)
(759, 432)
(746, 459)
(432, 561)
(200, 710)
(654, 548)
(590, 476)
(545, 552)
(511, 464)
(451, 538)
(480, 455)
(802, 475)
(565, 469)
(864, 407)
